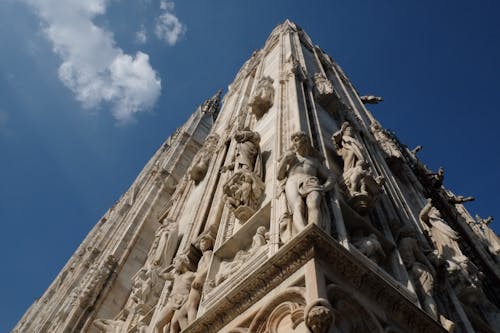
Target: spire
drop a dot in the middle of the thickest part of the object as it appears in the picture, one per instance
(212, 105)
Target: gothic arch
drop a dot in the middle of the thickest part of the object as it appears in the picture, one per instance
(350, 315)
(289, 302)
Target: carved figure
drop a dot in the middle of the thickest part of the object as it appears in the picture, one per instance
(245, 188)
(200, 163)
(190, 309)
(370, 247)
(229, 267)
(146, 288)
(243, 192)
(357, 180)
(422, 272)
(419, 267)
(182, 279)
(445, 239)
(109, 325)
(489, 237)
(319, 316)
(248, 156)
(385, 141)
(306, 180)
(263, 98)
(436, 178)
(259, 239)
(164, 244)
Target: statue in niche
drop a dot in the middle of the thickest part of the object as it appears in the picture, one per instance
(323, 88)
(190, 308)
(357, 180)
(385, 140)
(182, 279)
(147, 286)
(199, 166)
(306, 181)
(244, 190)
(370, 247)
(488, 236)
(422, 272)
(164, 244)
(229, 267)
(444, 238)
(263, 97)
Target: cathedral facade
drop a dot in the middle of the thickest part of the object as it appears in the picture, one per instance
(282, 206)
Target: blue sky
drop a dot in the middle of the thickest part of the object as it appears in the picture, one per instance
(90, 89)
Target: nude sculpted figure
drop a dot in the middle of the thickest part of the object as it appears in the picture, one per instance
(306, 180)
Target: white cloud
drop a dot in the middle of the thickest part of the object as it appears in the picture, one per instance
(93, 67)
(141, 36)
(168, 27)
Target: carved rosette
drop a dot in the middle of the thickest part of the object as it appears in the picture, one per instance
(319, 316)
(263, 98)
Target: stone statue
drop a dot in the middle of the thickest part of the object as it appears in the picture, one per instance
(229, 267)
(306, 180)
(357, 180)
(263, 97)
(164, 244)
(436, 178)
(419, 267)
(205, 244)
(371, 99)
(248, 156)
(244, 189)
(182, 279)
(147, 285)
(489, 237)
(386, 142)
(444, 238)
(199, 166)
(370, 247)
(422, 272)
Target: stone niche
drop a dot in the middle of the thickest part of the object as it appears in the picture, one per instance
(237, 257)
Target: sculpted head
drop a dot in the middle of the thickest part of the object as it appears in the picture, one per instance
(261, 230)
(181, 263)
(206, 242)
(300, 142)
